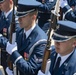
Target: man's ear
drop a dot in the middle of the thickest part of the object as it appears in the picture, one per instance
(11, 1)
(34, 17)
(74, 44)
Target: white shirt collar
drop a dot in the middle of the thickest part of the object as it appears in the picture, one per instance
(63, 58)
(29, 31)
(6, 14)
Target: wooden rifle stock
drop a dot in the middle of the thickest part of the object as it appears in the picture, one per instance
(12, 27)
(54, 17)
(61, 14)
(12, 30)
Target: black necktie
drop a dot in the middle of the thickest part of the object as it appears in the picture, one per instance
(56, 68)
(24, 38)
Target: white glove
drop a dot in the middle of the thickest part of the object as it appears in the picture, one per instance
(41, 73)
(63, 3)
(9, 72)
(10, 48)
(1, 35)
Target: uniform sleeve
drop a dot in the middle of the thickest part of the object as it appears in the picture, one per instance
(69, 13)
(47, 6)
(31, 66)
(3, 42)
(71, 16)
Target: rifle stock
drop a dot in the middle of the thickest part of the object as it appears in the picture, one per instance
(54, 18)
(12, 31)
(47, 54)
(61, 14)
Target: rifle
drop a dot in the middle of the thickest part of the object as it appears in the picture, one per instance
(12, 37)
(61, 14)
(54, 18)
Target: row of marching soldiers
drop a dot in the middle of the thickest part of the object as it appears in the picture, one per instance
(32, 23)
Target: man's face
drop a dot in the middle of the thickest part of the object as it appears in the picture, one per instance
(25, 21)
(5, 5)
(64, 48)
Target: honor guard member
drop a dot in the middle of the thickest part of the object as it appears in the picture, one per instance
(69, 10)
(45, 11)
(69, 13)
(5, 22)
(64, 55)
(27, 52)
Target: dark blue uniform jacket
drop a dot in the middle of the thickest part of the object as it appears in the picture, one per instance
(68, 67)
(32, 51)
